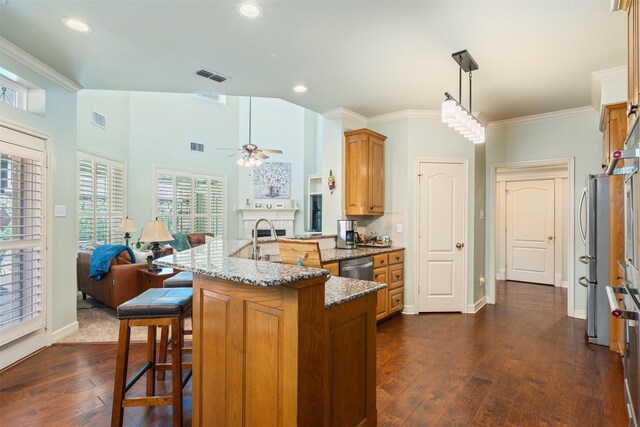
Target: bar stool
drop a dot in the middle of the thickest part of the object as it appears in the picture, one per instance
(184, 279)
(154, 307)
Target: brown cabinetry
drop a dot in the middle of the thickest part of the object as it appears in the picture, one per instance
(389, 269)
(633, 61)
(613, 124)
(364, 172)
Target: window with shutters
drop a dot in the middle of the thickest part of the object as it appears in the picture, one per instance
(190, 203)
(101, 199)
(22, 238)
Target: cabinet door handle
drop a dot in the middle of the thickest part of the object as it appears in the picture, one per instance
(631, 109)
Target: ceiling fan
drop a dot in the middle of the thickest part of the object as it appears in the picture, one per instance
(251, 154)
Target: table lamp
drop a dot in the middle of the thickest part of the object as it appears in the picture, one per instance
(155, 232)
(127, 226)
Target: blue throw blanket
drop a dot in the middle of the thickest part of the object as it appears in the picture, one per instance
(101, 259)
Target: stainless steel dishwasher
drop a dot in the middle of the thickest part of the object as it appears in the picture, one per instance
(357, 268)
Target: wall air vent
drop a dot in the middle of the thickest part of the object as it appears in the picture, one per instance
(213, 97)
(196, 146)
(98, 120)
(211, 75)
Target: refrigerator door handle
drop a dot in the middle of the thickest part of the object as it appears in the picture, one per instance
(583, 231)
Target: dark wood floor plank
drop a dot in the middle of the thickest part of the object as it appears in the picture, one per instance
(520, 362)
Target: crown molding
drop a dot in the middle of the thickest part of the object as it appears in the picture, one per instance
(343, 113)
(596, 82)
(38, 66)
(404, 114)
(544, 116)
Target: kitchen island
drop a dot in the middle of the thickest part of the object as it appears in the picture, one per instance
(278, 344)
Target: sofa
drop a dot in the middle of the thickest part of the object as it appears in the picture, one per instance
(121, 283)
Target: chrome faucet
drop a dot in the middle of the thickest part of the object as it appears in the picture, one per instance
(255, 253)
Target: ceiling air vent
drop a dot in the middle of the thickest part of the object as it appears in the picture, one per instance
(196, 146)
(213, 97)
(98, 119)
(211, 75)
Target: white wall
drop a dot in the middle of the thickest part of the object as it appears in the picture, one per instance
(575, 136)
(278, 124)
(161, 129)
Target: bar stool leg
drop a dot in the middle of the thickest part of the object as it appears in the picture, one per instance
(176, 370)
(162, 356)
(122, 360)
(151, 357)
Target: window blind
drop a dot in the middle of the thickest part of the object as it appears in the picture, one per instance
(101, 199)
(190, 203)
(22, 219)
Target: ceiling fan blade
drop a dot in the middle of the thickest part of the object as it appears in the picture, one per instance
(260, 154)
(232, 155)
(266, 150)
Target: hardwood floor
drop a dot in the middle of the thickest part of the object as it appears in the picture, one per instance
(520, 362)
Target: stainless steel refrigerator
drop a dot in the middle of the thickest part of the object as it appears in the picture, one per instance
(594, 230)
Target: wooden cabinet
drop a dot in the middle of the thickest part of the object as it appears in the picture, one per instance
(275, 356)
(633, 61)
(364, 172)
(613, 124)
(389, 269)
(333, 267)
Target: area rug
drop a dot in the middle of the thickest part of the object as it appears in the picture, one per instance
(99, 323)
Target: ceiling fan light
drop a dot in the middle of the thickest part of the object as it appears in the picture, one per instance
(241, 161)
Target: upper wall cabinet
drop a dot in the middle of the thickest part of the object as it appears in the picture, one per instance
(364, 172)
(633, 62)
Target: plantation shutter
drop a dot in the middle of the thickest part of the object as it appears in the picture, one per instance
(101, 203)
(22, 240)
(190, 203)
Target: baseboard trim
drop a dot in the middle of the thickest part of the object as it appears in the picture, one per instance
(500, 276)
(64, 332)
(579, 314)
(474, 308)
(565, 284)
(409, 309)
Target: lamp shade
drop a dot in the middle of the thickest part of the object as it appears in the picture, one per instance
(156, 231)
(449, 110)
(127, 226)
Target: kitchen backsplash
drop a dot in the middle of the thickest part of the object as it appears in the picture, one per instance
(385, 225)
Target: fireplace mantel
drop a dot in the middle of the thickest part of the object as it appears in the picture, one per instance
(252, 214)
(282, 219)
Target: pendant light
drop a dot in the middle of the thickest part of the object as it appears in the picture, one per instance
(453, 113)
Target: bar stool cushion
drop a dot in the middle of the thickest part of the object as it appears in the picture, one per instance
(157, 302)
(184, 279)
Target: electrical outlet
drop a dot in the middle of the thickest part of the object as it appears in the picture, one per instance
(399, 228)
(481, 280)
(60, 210)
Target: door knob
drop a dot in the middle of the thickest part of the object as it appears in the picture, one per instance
(459, 245)
(550, 237)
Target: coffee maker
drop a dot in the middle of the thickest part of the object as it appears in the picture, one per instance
(347, 234)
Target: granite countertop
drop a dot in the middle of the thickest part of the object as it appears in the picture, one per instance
(338, 290)
(335, 254)
(214, 259)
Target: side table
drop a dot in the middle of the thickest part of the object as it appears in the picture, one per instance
(153, 279)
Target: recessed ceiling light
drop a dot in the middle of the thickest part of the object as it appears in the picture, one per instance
(249, 9)
(77, 25)
(300, 88)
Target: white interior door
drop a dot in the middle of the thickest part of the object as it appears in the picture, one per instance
(441, 271)
(530, 231)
